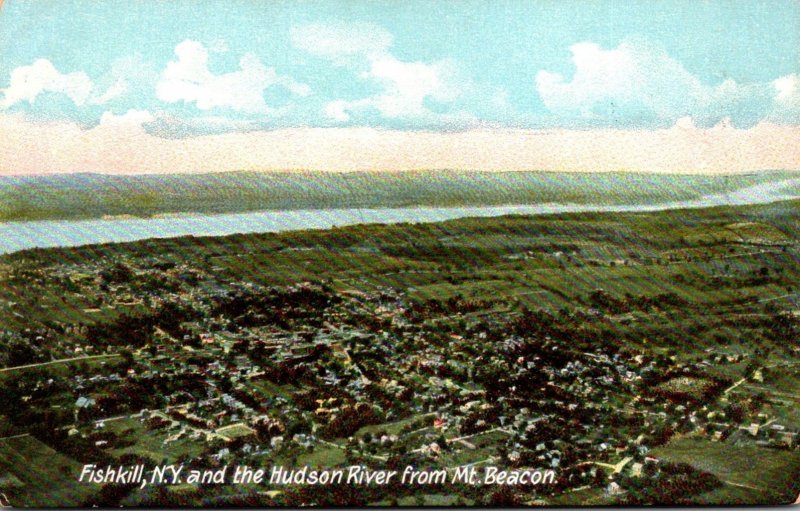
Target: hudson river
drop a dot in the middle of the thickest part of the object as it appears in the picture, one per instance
(16, 236)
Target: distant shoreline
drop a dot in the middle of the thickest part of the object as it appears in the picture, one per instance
(398, 171)
(86, 196)
(19, 236)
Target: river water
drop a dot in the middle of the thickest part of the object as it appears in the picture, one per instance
(16, 236)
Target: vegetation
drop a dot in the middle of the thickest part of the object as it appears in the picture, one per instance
(645, 357)
(93, 195)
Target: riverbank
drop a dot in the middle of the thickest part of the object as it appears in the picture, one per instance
(87, 196)
(15, 236)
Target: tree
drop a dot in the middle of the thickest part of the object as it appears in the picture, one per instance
(127, 356)
(20, 352)
(110, 495)
(119, 273)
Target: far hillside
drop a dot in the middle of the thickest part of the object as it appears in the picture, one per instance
(84, 195)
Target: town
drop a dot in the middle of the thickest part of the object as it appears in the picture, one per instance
(632, 363)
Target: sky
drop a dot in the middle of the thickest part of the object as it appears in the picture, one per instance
(684, 85)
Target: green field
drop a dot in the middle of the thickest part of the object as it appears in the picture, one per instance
(750, 474)
(615, 330)
(41, 476)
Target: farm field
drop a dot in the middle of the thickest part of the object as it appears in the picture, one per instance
(629, 353)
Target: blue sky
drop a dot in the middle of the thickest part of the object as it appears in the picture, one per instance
(201, 67)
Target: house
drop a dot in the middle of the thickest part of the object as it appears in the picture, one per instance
(788, 439)
(85, 402)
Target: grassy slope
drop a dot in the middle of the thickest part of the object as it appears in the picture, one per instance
(755, 474)
(48, 478)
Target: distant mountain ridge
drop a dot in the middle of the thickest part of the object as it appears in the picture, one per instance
(89, 195)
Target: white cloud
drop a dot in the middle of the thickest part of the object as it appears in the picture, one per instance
(640, 80)
(408, 84)
(129, 77)
(189, 79)
(337, 110)
(126, 75)
(340, 42)
(116, 90)
(132, 119)
(405, 86)
(788, 87)
(27, 82)
(786, 108)
(119, 145)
